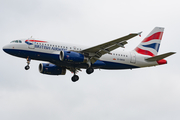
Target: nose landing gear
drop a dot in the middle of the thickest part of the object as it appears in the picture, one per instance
(28, 62)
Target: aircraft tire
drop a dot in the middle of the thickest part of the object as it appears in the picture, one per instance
(27, 67)
(89, 70)
(75, 78)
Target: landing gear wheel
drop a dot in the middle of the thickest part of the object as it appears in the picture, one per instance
(27, 67)
(89, 70)
(75, 78)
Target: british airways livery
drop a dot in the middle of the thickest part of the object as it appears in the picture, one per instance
(60, 57)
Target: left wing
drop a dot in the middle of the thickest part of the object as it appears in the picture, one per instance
(97, 51)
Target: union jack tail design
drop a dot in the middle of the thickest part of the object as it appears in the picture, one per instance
(150, 45)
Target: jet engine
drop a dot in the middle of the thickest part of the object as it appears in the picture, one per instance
(70, 56)
(51, 69)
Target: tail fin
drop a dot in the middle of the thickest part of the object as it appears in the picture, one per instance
(150, 45)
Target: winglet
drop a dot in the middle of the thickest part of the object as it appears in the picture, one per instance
(139, 34)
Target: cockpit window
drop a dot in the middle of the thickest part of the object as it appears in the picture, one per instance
(16, 41)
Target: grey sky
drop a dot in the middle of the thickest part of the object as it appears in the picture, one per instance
(151, 93)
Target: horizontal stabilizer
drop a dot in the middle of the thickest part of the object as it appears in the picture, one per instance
(159, 57)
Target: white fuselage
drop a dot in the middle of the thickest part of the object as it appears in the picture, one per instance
(42, 50)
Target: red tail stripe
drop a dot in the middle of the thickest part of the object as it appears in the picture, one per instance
(157, 35)
(144, 52)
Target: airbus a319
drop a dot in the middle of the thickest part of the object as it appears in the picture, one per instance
(60, 57)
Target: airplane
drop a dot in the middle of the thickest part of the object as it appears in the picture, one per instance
(61, 57)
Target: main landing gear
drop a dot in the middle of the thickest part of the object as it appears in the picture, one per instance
(75, 78)
(90, 70)
(28, 62)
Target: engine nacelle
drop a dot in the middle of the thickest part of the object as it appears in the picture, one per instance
(70, 56)
(51, 69)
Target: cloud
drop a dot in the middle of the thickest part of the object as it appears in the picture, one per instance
(146, 93)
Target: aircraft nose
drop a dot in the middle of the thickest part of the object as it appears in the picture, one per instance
(6, 48)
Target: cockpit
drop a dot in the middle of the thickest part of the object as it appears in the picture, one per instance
(16, 41)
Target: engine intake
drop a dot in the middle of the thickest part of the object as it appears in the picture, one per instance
(51, 69)
(70, 56)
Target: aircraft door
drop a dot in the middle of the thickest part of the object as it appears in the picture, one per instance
(31, 46)
(133, 57)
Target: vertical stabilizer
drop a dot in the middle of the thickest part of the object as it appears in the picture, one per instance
(150, 45)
